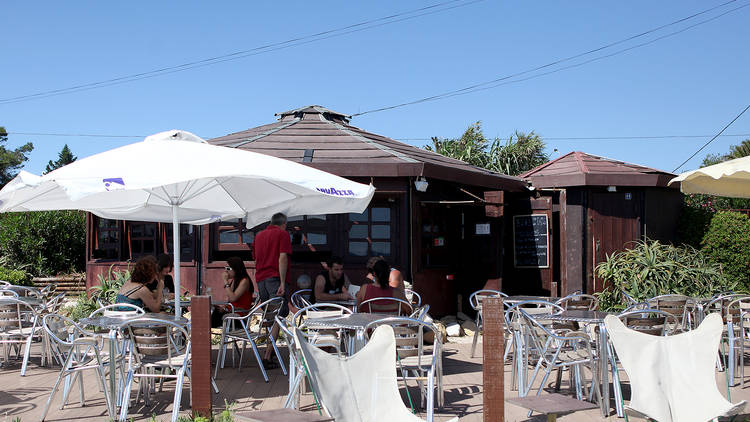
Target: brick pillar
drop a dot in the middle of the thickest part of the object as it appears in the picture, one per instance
(493, 346)
(200, 311)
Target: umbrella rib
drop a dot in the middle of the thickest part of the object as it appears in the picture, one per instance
(36, 196)
(202, 190)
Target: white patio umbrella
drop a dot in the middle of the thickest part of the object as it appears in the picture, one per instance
(177, 177)
(730, 178)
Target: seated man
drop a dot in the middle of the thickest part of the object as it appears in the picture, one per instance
(332, 284)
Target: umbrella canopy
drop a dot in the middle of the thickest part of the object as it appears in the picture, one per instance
(177, 177)
(730, 178)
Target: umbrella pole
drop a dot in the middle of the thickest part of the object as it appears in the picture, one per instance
(176, 252)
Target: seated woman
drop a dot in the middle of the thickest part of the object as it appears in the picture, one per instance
(395, 278)
(238, 288)
(381, 272)
(166, 265)
(135, 291)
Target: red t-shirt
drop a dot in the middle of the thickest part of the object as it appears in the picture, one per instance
(267, 246)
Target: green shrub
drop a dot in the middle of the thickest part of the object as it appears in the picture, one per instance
(83, 307)
(109, 284)
(651, 268)
(693, 224)
(44, 243)
(727, 242)
(15, 276)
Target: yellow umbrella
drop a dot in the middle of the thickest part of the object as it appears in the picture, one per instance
(730, 178)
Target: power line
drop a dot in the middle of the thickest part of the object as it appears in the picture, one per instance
(504, 80)
(293, 42)
(551, 138)
(712, 139)
(605, 138)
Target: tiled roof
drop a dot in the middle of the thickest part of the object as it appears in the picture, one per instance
(580, 169)
(324, 139)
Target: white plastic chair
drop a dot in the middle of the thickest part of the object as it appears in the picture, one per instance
(673, 378)
(362, 387)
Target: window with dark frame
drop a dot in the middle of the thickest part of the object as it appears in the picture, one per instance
(107, 239)
(187, 241)
(309, 231)
(144, 239)
(371, 232)
(232, 235)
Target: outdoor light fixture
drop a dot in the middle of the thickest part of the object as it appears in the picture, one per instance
(611, 188)
(421, 184)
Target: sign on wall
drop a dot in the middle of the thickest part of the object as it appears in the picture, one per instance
(531, 241)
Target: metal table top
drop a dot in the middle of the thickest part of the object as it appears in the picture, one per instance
(596, 317)
(31, 301)
(114, 322)
(351, 302)
(356, 321)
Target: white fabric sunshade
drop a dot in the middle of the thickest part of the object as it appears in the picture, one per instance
(730, 178)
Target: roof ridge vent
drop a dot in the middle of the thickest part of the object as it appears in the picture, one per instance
(320, 111)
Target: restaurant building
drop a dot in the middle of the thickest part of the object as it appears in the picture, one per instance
(438, 220)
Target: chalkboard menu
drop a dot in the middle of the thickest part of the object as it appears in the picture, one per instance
(530, 241)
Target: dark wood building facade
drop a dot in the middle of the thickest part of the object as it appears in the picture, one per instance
(443, 238)
(595, 206)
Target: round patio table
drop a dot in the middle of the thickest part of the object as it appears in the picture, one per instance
(351, 322)
(352, 303)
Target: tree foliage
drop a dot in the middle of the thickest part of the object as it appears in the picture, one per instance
(519, 153)
(64, 157)
(11, 160)
(727, 242)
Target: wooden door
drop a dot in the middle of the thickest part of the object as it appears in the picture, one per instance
(614, 222)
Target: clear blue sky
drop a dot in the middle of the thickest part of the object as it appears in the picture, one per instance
(689, 84)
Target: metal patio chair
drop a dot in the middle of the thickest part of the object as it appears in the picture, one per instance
(301, 298)
(321, 337)
(413, 297)
(387, 306)
(160, 349)
(266, 313)
(475, 300)
(19, 325)
(579, 302)
(77, 350)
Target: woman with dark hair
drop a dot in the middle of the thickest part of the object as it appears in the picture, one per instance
(166, 265)
(380, 288)
(395, 278)
(238, 288)
(135, 290)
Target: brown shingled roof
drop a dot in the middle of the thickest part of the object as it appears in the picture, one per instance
(580, 169)
(324, 139)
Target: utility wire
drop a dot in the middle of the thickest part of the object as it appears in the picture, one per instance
(566, 138)
(294, 42)
(504, 80)
(712, 139)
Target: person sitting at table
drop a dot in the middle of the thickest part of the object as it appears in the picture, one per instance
(135, 290)
(166, 265)
(332, 284)
(395, 278)
(238, 288)
(380, 288)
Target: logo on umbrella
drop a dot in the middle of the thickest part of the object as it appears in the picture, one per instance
(113, 183)
(334, 191)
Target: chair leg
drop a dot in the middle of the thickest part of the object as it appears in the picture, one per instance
(220, 356)
(278, 354)
(54, 388)
(260, 361)
(476, 337)
(27, 351)
(178, 394)
(126, 396)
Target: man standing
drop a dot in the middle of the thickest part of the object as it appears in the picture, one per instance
(332, 284)
(271, 249)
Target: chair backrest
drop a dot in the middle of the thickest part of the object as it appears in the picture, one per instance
(413, 297)
(738, 311)
(156, 337)
(386, 305)
(267, 311)
(409, 334)
(629, 300)
(476, 298)
(7, 293)
(24, 291)
(14, 314)
(319, 310)
(720, 305)
(301, 298)
(54, 304)
(579, 302)
(362, 387)
(650, 321)
(118, 310)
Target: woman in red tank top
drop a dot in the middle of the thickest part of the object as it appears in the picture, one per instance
(238, 289)
(381, 272)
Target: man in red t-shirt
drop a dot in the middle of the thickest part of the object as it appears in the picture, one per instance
(271, 249)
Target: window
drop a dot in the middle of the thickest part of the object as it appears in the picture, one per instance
(143, 239)
(309, 230)
(371, 232)
(107, 239)
(233, 235)
(187, 241)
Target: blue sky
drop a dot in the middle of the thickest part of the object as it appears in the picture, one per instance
(690, 84)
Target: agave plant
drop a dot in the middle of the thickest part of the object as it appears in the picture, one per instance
(651, 268)
(106, 290)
